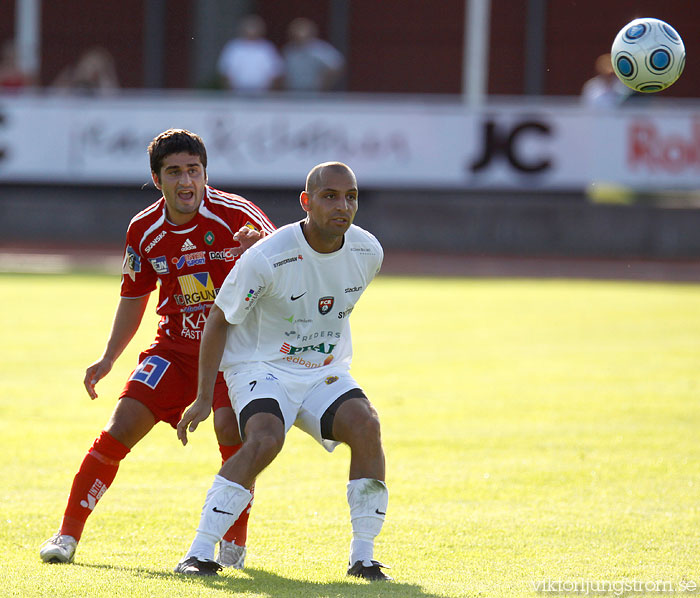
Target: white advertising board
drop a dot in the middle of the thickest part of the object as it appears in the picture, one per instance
(273, 142)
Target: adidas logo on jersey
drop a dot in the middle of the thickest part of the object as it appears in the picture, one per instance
(188, 246)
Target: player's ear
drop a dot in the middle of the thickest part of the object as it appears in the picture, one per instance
(156, 180)
(304, 200)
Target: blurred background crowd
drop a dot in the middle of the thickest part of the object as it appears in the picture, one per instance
(535, 47)
(504, 115)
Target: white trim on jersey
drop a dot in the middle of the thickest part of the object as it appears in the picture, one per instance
(183, 232)
(145, 212)
(157, 224)
(233, 201)
(207, 213)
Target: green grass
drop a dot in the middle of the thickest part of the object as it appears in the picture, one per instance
(534, 430)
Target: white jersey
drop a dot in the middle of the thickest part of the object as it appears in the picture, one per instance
(290, 304)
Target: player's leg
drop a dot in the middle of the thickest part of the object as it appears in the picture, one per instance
(229, 494)
(355, 422)
(154, 392)
(262, 421)
(129, 423)
(232, 547)
(336, 410)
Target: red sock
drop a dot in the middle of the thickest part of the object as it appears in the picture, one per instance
(238, 532)
(96, 473)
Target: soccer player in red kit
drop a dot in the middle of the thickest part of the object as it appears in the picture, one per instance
(186, 242)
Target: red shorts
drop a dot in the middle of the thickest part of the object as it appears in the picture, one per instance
(165, 381)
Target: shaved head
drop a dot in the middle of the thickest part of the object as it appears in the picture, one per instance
(314, 180)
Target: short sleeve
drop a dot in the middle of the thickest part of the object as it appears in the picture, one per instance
(138, 276)
(247, 281)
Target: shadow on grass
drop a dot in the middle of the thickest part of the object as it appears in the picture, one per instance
(263, 582)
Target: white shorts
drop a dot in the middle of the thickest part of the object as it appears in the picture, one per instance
(303, 398)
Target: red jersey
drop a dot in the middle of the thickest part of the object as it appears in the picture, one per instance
(190, 261)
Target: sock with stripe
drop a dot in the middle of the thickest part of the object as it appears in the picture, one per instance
(96, 473)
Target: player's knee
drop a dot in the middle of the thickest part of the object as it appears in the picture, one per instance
(266, 445)
(264, 437)
(365, 431)
(371, 428)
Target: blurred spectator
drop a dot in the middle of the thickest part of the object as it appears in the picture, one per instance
(250, 63)
(93, 73)
(310, 64)
(604, 90)
(11, 74)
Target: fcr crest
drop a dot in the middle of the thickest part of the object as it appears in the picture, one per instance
(325, 304)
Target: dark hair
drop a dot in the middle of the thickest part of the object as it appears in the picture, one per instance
(175, 141)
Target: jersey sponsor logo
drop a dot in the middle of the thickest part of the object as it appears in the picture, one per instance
(288, 349)
(160, 264)
(354, 289)
(293, 298)
(190, 259)
(325, 305)
(331, 379)
(193, 324)
(316, 335)
(196, 288)
(155, 241)
(188, 246)
(251, 226)
(252, 297)
(150, 371)
(307, 364)
(225, 254)
(94, 494)
(188, 309)
(289, 260)
(364, 250)
(346, 313)
(293, 320)
(132, 262)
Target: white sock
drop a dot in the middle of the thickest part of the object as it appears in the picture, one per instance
(368, 500)
(224, 503)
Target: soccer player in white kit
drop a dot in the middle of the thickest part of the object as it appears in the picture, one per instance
(279, 331)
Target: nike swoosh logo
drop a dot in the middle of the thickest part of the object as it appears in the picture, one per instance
(293, 298)
(222, 512)
(378, 512)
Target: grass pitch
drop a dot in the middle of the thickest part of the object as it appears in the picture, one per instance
(540, 436)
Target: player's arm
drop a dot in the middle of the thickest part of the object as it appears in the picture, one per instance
(127, 320)
(211, 349)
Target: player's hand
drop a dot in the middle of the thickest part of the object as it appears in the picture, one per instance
(95, 373)
(247, 237)
(192, 417)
